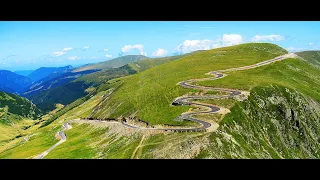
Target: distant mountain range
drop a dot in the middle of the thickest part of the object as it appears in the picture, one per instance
(72, 85)
(13, 83)
(47, 73)
(113, 63)
(24, 72)
(49, 82)
(47, 86)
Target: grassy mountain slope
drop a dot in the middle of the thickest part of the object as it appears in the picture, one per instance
(15, 104)
(274, 122)
(15, 115)
(60, 80)
(312, 57)
(44, 137)
(65, 94)
(113, 63)
(148, 63)
(149, 93)
(71, 91)
(292, 73)
(280, 118)
(103, 76)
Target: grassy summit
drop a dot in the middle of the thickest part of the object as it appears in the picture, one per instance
(292, 73)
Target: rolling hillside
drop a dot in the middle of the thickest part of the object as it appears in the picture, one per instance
(16, 114)
(148, 63)
(149, 93)
(113, 63)
(75, 89)
(312, 57)
(17, 105)
(274, 122)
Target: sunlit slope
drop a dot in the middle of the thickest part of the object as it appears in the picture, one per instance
(43, 137)
(274, 122)
(15, 116)
(14, 104)
(148, 63)
(293, 73)
(312, 57)
(148, 94)
(113, 63)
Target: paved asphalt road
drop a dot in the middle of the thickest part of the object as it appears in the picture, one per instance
(63, 137)
(187, 101)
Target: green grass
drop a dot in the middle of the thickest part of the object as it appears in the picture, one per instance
(85, 141)
(251, 130)
(292, 73)
(312, 57)
(44, 136)
(148, 63)
(274, 122)
(78, 143)
(226, 103)
(19, 128)
(43, 139)
(113, 63)
(17, 105)
(150, 92)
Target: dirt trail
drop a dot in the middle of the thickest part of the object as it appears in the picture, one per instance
(136, 149)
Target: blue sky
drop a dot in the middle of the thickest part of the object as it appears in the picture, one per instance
(30, 45)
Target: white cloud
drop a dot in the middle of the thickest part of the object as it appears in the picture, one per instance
(206, 44)
(59, 53)
(231, 39)
(66, 49)
(272, 37)
(62, 52)
(128, 48)
(194, 45)
(160, 52)
(108, 55)
(310, 44)
(86, 47)
(74, 58)
(106, 50)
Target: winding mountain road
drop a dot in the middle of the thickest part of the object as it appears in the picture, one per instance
(63, 138)
(188, 101)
